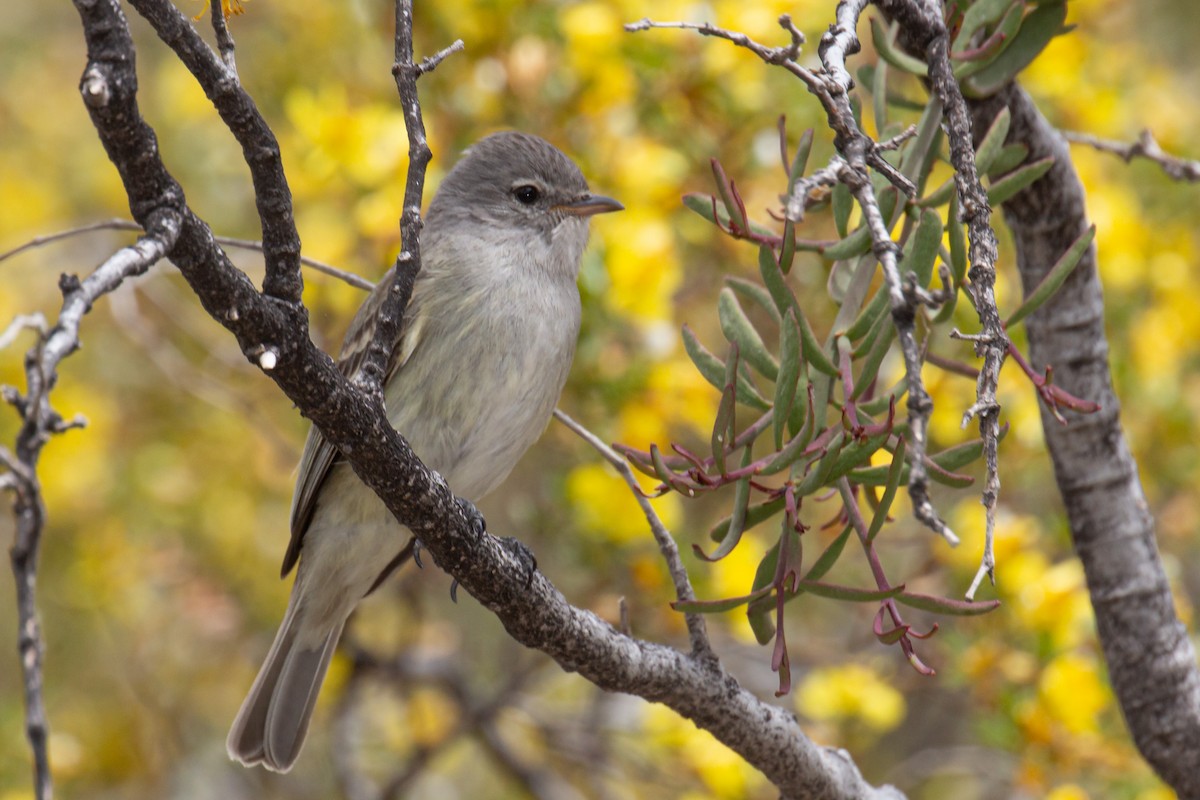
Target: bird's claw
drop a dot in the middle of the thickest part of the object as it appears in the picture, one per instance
(474, 518)
(518, 550)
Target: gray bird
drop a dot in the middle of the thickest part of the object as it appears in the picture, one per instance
(486, 345)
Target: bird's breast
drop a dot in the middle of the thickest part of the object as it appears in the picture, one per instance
(483, 381)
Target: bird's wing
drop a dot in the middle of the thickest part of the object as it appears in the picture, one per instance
(319, 455)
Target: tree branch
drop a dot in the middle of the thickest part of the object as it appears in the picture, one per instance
(924, 32)
(118, 224)
(260, 149)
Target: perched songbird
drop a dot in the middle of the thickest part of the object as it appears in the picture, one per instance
(486, 345)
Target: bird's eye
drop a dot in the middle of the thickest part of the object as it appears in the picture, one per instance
(526, 194)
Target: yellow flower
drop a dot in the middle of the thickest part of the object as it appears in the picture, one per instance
(604, 505)
(1068, 791)
(851, 692)
(1073, 693)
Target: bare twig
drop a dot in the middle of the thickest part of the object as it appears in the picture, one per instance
(830, 87)
(1146, 146)
(22, 322)
(39, 421)
(118, 224)
(352, 278)
(839, 42)
(992, 342)
(666, 543)
(224, 38)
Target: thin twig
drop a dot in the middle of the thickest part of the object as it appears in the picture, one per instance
(118, 224)
(352, 278)
(837, 43)
(1146, 146)
(39, 421)
(224, 38)
(35, 321)
(666, 543)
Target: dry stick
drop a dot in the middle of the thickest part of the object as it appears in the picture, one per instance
(35, 321)
(224, 38)
(1146, 147)
(992, 342)
(39, 422)
(838, 43)
(697, 631)
(118, 224)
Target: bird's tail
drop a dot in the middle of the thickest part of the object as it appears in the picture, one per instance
(273, 721)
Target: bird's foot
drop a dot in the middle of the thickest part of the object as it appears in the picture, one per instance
(524, 556)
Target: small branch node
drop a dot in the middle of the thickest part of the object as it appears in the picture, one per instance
(94, 88)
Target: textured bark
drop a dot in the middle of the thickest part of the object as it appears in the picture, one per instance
(1151, 661)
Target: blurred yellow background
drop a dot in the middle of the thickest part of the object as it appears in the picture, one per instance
(168, 514)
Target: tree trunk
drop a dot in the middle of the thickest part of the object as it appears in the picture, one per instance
(1151, 661)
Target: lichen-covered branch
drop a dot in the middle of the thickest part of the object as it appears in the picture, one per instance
(924, 33)
(260, 149)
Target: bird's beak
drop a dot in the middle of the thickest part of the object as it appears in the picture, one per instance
(591, 204)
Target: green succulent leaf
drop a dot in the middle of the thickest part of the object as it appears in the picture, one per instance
(886, 47)
(755, 514)
(993, 141)
(1037, 29)
(705, 206)
(713, 371)
(829, 557)
(1009, 158)
(740, 331)
(790, 353)
(947, 605)
(894, 473)
(752, 291)
(980, 14)
(1012, 183)
(1054, 279)
(851, 593)
(800, 161)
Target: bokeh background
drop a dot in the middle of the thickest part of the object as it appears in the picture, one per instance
(168, 514)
